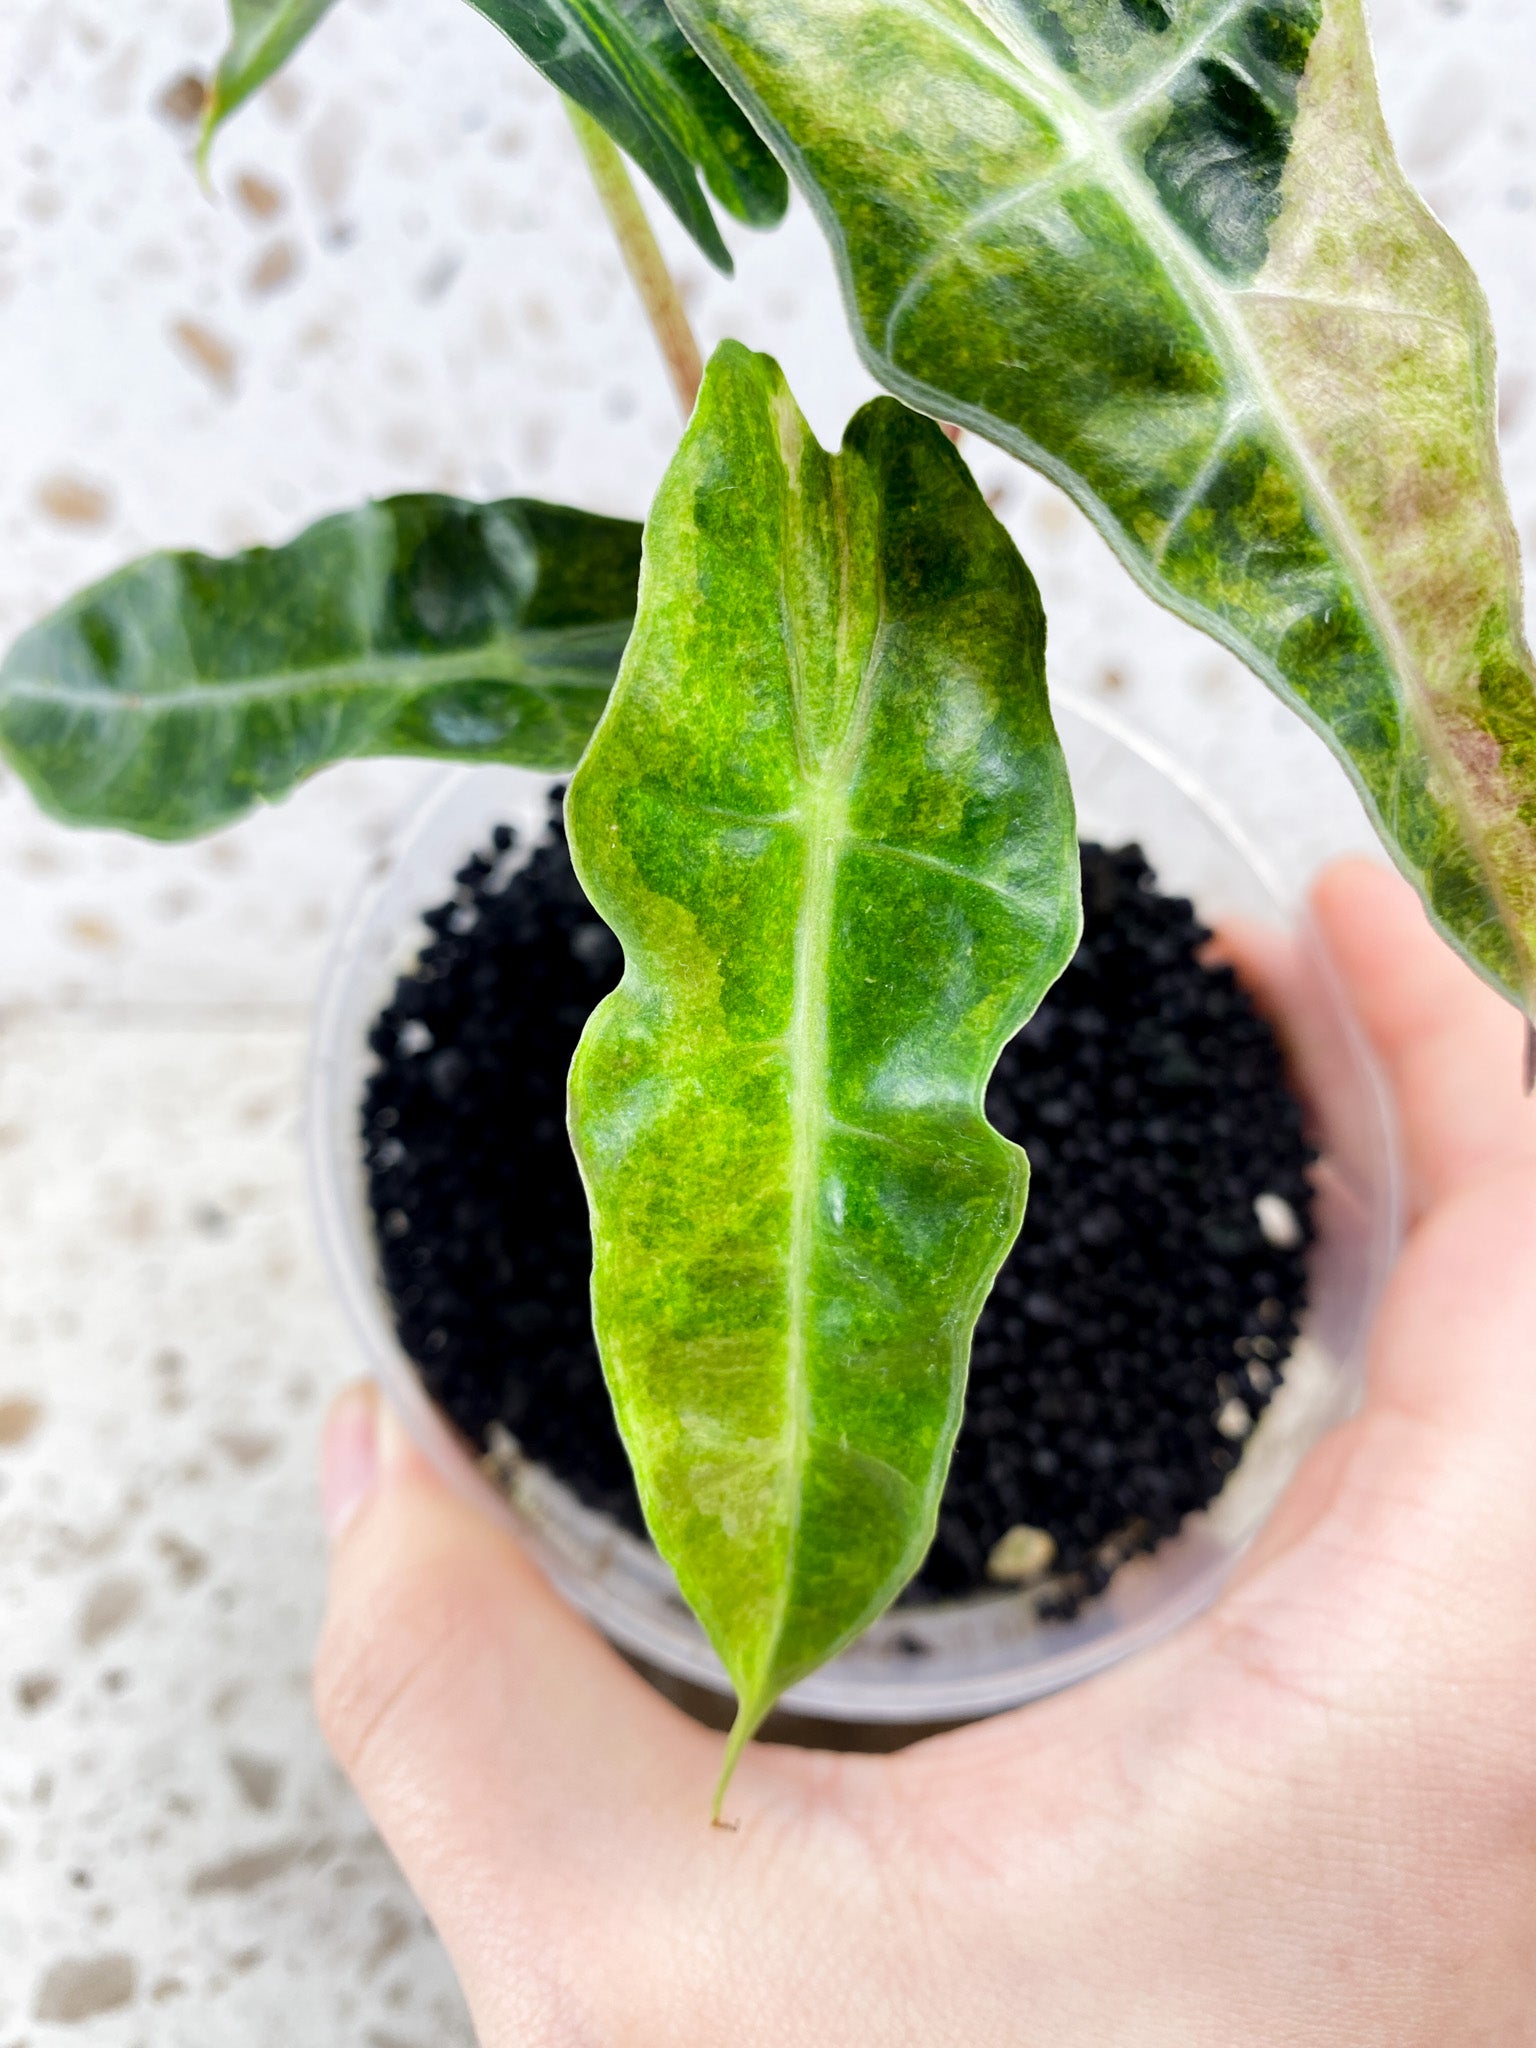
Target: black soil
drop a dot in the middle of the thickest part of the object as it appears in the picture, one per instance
(1138, 1327)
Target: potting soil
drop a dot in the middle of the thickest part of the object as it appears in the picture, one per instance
(1136, 1331)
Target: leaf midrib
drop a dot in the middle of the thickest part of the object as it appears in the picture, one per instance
(501, 660)
(824, 817)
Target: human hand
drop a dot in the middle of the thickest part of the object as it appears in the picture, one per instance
(1309, 1817)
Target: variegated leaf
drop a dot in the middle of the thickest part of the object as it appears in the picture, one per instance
(1162, 250)
(827, 815)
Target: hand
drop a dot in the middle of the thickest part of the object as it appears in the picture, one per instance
(1309, 1818)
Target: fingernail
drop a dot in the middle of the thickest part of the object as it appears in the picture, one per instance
(350, 1459)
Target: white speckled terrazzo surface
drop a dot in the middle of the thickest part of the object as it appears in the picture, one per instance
(402, 284)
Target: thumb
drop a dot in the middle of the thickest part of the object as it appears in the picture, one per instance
(521, 1773)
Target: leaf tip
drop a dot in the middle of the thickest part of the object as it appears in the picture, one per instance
(213, 115)
(750, 1716)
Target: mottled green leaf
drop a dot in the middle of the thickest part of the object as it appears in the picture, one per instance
(1162, 250)
(827, 816)
(628, 64)
(184, 690)
(263, 35)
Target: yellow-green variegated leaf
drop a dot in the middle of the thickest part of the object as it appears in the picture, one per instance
(828, 818)
(1162, 250)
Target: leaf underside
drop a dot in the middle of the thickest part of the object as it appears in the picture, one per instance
(629, 65)
(186, 689)
(827, 815)
(1162, 250)
(625, 61)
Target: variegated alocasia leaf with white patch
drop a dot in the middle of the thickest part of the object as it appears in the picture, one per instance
(1162, 250)
(827, 815)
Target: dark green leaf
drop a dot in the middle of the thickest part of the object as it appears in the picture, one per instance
(263, 35)
(625, 61)
(1162, 250)
(186, 689)
(628, 64)
(827, 816)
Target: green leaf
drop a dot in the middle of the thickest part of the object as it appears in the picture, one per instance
(263, 35)
(827, 815)
(184, 690)
(1162, 250)
(627, 63)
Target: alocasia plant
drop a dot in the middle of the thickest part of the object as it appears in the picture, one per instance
(180, 692)
(828, 817)
(1162, 250)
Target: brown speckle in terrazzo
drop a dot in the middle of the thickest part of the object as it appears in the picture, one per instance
(248, 1870)
(246, 1448)
(95, 934)
(136, 1220)
(260, 1781)
(36, 1689)
(19, 1419)
(108, 1609)
(188, 1565)
(74, 500)
(83, 1987)
(207, 353)
(227, 1701)
(277, 266)
(181, 102)
(258, 197)
(394, 1931)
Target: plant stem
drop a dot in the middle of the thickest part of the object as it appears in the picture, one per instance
(642, 256)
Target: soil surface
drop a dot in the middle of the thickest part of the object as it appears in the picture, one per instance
(1136, 1331)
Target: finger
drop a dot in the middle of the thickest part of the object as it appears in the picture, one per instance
(1293, 985)
(519, 1770)
(1452, 1048)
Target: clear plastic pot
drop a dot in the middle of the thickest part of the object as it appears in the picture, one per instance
(932, 1664)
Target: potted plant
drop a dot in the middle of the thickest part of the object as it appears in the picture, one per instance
(1165, 256)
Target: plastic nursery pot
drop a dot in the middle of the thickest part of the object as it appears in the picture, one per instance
(931, 1664)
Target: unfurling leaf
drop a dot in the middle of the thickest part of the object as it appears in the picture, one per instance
(1162, 250)
(828, 818)
(263, 35)
(627, 63)
(186, 689)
